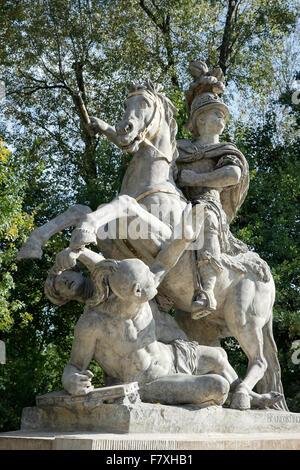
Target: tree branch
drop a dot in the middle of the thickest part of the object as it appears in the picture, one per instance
(55, 136)
(227, 45)
(33, 89)
(151, 14)
(164, 27)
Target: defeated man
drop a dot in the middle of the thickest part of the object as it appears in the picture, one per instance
(131, 340)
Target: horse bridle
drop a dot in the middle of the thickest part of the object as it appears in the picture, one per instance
(143, 135)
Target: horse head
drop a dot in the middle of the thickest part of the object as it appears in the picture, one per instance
(146, 111)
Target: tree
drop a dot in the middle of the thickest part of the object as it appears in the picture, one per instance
(36, 334)
(97, 47)
(15, 224)
(51, 49)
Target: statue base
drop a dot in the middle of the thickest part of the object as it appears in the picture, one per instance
(39, 440)
(114, 418)
(119, 409)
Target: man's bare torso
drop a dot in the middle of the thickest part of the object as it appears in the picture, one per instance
(127, 348)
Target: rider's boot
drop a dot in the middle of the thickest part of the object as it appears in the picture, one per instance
(205, 302)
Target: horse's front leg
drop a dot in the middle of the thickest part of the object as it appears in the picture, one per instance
(122, 206)
(32, 248)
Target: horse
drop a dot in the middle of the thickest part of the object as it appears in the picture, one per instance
(245, 296)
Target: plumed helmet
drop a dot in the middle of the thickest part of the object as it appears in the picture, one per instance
(204, 92)
(202, 103)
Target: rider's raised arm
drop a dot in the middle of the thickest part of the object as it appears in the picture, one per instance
(98, 126)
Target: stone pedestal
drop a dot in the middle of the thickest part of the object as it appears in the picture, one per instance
(119, 409)
(38, 440)
(115, 418)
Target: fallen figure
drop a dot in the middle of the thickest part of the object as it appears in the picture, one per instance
(123, 330)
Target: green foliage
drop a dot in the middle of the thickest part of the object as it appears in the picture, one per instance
(15, 225)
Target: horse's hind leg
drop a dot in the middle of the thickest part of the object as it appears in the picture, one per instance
(245, 313)
(250, 338)
(32, 248)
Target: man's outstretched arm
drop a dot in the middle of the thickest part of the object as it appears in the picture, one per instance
(76, 378)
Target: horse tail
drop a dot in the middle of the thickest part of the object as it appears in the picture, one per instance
(272, 377)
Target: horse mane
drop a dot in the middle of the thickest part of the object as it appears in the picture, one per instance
(169, 108)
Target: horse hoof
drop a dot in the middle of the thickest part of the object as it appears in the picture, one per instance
(266, 400)
(240, 401)
(81, 237)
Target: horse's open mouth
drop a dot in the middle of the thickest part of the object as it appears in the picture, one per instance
(131, 146)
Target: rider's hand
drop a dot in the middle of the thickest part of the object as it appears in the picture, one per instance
(95, 127)
(192, 221)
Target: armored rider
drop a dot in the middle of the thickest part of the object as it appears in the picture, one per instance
(212, 174)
